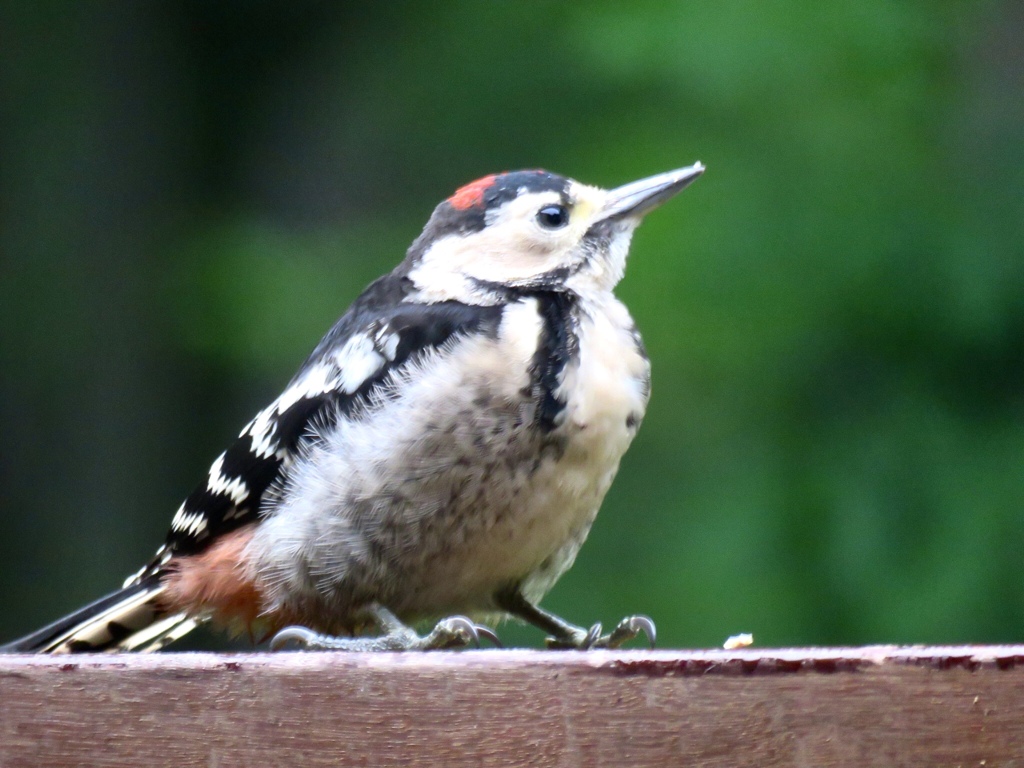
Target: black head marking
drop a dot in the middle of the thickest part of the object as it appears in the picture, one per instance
(466, 210)
(494, 190)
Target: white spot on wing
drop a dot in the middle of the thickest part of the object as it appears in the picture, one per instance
(316, 381)
(218, 482)
(386, 342)
(358, 361)
(189, 523)
(134, 578)
(262, 430)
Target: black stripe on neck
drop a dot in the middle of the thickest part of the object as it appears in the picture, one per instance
(558, 345)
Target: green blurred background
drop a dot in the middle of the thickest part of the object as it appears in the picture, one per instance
(192, 192)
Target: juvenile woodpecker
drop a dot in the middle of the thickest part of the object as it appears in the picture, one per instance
(443, 451)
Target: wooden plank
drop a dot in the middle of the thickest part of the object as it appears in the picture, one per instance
(876, 706)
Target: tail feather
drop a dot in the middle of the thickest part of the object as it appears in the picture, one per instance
(129, 619)
(159, 634)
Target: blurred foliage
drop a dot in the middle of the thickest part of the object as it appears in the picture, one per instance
(192, 192)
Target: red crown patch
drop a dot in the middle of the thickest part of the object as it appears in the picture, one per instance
(472, 194)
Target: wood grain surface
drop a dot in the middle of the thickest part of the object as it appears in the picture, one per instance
(875, 706)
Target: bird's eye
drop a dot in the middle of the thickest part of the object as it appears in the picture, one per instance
(553, 216)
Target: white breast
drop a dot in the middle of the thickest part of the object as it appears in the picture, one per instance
(610, 385)
(447, 491)
(606, 393)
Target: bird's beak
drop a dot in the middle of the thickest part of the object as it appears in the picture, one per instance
(635, 199)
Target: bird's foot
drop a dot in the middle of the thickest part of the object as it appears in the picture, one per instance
(453, 632)
(587, 639)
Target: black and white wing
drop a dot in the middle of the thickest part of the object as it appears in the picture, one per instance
(379, 335)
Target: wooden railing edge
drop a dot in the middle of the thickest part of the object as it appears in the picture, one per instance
(875, 705)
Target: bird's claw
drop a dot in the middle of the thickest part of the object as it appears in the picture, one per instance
(488, 634)
(626, 630)
(458, 632)
(303, 637)
(453, 632)
(631, 627)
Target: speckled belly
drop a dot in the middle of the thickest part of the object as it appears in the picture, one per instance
(452, 491)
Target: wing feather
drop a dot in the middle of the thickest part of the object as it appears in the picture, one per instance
(377, 337)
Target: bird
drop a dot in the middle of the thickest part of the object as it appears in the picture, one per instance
(439, 457)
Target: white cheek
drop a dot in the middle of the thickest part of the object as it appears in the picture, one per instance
(440, 274)
(504, 253)
(537, 242)
(512, 248)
